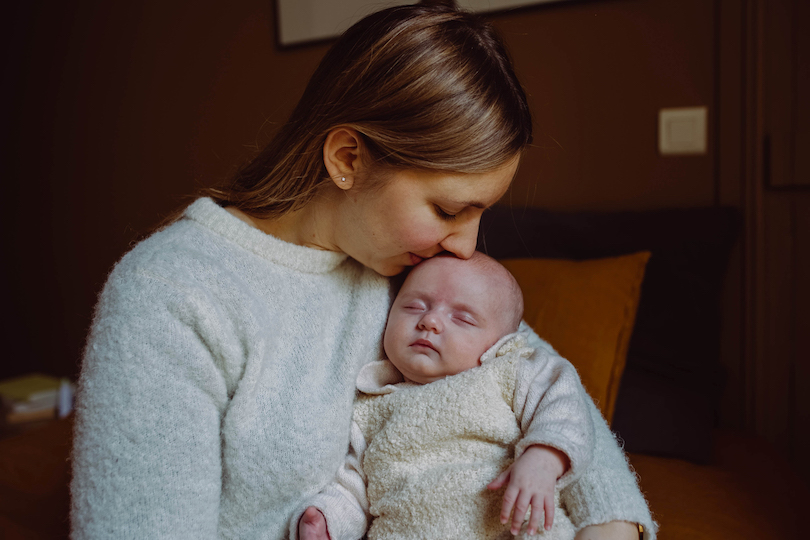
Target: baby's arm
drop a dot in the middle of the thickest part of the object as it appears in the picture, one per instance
(340, 510)
(557, 443)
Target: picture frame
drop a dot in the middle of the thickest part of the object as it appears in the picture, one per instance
(302, 22)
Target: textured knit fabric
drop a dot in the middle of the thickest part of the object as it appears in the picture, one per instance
(217, 386)
(218, 381)
(427, 452)
(609, 490)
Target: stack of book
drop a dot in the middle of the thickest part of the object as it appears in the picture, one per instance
(35, 397)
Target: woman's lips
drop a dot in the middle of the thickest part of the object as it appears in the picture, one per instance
(415, 259)
(424, 343)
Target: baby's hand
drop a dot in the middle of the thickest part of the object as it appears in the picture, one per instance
(312, 525)
(532, 479)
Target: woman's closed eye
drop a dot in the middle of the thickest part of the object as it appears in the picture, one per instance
(442, 213)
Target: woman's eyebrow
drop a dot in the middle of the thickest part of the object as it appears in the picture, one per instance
(475, 204)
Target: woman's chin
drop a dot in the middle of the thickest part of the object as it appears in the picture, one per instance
(390, 270)
(389, 267)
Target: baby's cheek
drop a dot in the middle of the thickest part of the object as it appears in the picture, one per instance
(393, 341)
(472, 349)
(388, 339)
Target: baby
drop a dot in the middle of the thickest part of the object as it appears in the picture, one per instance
(460, 409)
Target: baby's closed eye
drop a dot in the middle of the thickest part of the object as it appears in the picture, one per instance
(465, 318)
(414, 306)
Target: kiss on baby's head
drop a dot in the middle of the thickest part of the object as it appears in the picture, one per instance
(448, 313)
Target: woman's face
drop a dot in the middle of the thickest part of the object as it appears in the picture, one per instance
(416, 214)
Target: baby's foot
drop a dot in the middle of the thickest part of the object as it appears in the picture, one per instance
(312, 525)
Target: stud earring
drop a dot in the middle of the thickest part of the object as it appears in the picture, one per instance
(342, 178)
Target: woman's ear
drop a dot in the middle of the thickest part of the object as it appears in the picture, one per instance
(342, 156)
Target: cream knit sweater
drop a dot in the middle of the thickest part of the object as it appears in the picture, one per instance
(218, 381)
(424, 454)
(217, 387)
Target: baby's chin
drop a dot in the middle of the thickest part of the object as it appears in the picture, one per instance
(426, 377)
(409, 370)
(417, 377)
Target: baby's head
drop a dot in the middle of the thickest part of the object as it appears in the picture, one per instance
(448, 313)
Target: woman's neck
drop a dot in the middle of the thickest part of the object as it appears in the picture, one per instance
(308, 226)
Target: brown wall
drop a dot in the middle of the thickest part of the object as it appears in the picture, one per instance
(116, 112)
(597, 74)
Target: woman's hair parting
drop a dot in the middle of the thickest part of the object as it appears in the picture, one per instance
(427, 87)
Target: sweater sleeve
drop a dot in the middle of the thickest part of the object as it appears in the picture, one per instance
(344, 501)
(146, 458)
(550, 405)
(608, 489)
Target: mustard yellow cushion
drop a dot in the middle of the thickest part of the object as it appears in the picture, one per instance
(586, 311)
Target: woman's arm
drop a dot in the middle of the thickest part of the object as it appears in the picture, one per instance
(343, 502)
(147, 451)
(608, 491)
(551, 408)
(615, 530)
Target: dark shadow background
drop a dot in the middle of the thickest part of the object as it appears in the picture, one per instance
(115, 113)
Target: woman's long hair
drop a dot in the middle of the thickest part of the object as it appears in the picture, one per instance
(427, 86)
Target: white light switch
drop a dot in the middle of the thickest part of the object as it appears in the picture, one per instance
(682, 131)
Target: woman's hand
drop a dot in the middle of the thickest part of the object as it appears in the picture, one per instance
(615, 530)
(312, 525)
(531, 481)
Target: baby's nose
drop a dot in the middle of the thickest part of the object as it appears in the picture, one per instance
(430, 322)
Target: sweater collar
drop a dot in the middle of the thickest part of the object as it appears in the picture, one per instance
(382, 377)
(379, 377)
(303, 259)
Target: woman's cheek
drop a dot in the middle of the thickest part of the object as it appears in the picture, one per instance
(422, 237)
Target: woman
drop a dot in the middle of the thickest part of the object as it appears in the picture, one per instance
(218, 378)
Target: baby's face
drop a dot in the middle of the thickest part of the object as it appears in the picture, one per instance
(446, 316)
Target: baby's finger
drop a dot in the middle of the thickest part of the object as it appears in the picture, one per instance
(521, 506)
(509, 497)
(500, 481)
(537, 515)
(548, 503)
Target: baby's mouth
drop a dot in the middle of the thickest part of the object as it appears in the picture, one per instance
(424, 343)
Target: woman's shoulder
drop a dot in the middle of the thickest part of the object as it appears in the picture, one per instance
(192, 253)
(167, 270)
(204, 239)
(174, 253)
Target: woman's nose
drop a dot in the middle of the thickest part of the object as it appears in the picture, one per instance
(462, 241)
(430, 322)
